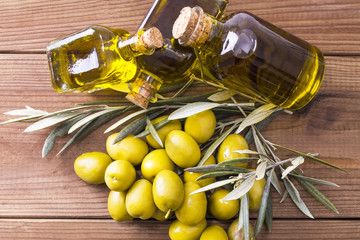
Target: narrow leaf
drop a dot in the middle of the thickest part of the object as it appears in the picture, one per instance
(216, 174)
(295, 196)
(156, 126)
(215, 144)
(256, 116)
(50, 121)
(28, 111)
(191, 109)
(314, 180)
(244, 216)
(317, 194)
(237, 161)
(242, 189)
(295, 163)
(128, 117)
(134, 127)
(59, 131)
(246, 151)
(260, 170)
(153, 132)
(89, 118)
(269, 213)
(21, 119)
(214, 185)
(311, 157)
(276, 183)
(263, 206)
(222, 95)
(284, 196)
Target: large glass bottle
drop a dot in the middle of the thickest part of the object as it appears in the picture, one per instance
(98, 57)
(172, 62)
(254, 57)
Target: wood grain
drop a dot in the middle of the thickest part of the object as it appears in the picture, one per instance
(50, 188)
(332, 25)
(149, 230)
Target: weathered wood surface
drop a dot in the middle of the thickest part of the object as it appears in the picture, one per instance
(44, 199)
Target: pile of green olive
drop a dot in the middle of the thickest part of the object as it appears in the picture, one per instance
(147, 181)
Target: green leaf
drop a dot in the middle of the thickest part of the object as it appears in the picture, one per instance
(295, 196)
(241, 189)
(134, 127)
(256, 116)
(263, 205)
(317, 194)
(237, 161)
(215, 168)
(91, 117)
(156, 126)
(311, 157)
(59, 131)
(215, 144)
(315, 180)
(88, 128)
(129, 117)
(50, 121)
(21, 119)
(276, 183)
(192, 109)
(28, 111)
(222, 95)
(153, 132)
(244, 216)
(216, 174)
(269, 213)
(214, 185)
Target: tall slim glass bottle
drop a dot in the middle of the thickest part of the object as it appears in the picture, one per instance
(254, 57)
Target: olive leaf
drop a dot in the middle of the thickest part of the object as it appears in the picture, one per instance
(28, 111)
(192, 109)
(241, 189)
(295, 196)
(237, 161)
(91, 117)
(50, 121)
(256, 116)
(222, 95)
(216, 143)
(263, 205)
(244, 216)
(214, 185)
(156, 126)
(260, 170)
(295, 163)
(153, 132)
(216, 174)
(315, 180)
(269, 213)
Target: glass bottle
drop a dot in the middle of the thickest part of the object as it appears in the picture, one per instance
(172, 62)
(254, 57)
(98, 57)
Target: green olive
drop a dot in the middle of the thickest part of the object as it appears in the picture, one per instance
(154, 162)
(193, 208)
(232, 143)
(119, 175)
(91, 167)
(139, 200)
(201, 126)
(168, 191)
(182, 149)
(214, 232)
(163, 131)
(130, 148)
(116, 206)
(180, 231)
(220, 209)
(255, 194)
(238, 234)
(192, 176)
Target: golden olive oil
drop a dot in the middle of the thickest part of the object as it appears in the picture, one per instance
(256, 58)
(95, 58)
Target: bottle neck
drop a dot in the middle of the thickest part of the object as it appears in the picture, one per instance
(196, 29)
(143, 42)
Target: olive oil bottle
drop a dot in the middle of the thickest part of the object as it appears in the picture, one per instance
(172, 62)
(98, 57)
(254, 57)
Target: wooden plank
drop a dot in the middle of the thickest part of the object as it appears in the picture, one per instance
(332, 25)
(109, 229)
(36, 187)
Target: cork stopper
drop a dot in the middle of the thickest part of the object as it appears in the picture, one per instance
(192, 27)
(151, 39)
(143, 91)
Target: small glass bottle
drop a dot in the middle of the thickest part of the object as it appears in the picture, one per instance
(98, 57)
(254, 57)
(172, 62)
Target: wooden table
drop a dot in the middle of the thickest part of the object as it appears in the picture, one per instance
(42, 198)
